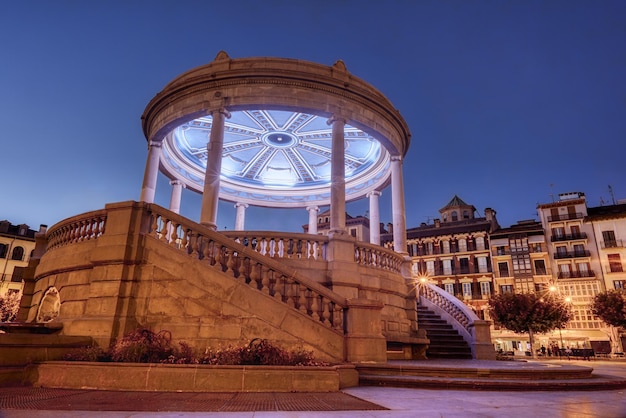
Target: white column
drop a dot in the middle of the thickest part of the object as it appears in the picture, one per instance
(337, 176)
(177, 194)
(313, 211)
(397, 206)
(240, 217)
(211, 193)
(148, 188)
(374, 217)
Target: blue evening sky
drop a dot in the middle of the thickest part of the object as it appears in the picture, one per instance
(509, 102)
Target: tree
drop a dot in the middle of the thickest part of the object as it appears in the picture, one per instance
(610, 307)
(529, 313)
(9, 306)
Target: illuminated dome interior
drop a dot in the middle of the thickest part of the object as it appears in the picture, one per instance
(275, 158)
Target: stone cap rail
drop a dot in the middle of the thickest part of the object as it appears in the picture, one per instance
(243, 263)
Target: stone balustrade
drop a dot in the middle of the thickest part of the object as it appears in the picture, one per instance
(250, 264)
(87, 226)
(375, 256)
(282, 245)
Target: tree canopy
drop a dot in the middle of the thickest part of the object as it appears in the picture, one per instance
(524, 312)
(610, 307)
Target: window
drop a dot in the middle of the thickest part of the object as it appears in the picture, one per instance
(467, 290)
(415, 268)
(483, 267)
(619, 284)
(430, 268)
(558, 232)
(501, 250)
(446, 247)
(564, 271)
(18, 253)
(561, 251)
(615, 263)
(466, 214)
(462, 245)
(353, 232)
(506, 288)
(3, 251)
(540, 267)
(575, 231)
(447, 266)
(449, 287)
(480, 243)
(503, 269)
(609, 239)
(485, 288)
(455, 216)
(464, 265)
(428, 248)
(579, 249)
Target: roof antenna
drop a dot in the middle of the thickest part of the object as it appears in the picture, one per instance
(612, 194)
(552, 190)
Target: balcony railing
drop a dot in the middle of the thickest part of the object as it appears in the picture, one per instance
(462, 270)
(568, 237)
(571, 254)
(565, 217)
(616, 243)
(575, 274)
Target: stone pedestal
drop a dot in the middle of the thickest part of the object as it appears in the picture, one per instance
(364, 339)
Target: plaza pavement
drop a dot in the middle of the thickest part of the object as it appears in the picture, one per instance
(397, 403)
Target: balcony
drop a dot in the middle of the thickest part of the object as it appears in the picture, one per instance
(576, 274)
(616, 243)
(571, 254)
(568, 237)
(565, 217)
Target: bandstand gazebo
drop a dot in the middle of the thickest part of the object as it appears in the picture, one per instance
(276, 132)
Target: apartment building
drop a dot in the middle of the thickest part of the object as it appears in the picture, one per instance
(17, 243)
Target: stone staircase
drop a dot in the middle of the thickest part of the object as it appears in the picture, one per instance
(445, 341)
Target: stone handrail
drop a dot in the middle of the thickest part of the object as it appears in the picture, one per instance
(281, 244)
(474, 330)
(375, 256)
(79, 228)
(449, 304)
(217, 251)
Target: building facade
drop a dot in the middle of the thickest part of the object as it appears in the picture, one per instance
(17, 243)
(454, 253)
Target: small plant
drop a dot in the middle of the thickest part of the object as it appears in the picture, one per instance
(142, 346)
(9, 306)
(88, 353)
(146, 346)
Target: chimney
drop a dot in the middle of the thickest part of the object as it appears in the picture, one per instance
(437, 223)
(390, 228)
(490, 215)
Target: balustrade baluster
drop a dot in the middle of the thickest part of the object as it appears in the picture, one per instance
(337, 317)
(280, 253)
(279, 286)
(174, 235)
(265, 280)
(194, 245)
(254, 274)
(302, 299)
(289, 299)
(315, 307)
(230, 261)
(325, 311)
